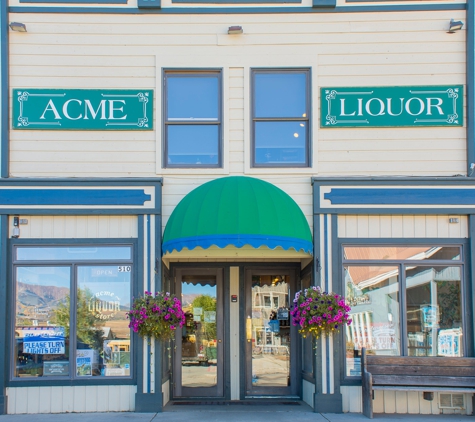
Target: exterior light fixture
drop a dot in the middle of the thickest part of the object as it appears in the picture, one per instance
(235, 30)
(17, 26)
(16, 227)
(454, 26)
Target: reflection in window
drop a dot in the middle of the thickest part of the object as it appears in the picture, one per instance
(373, 294)
(199, 348)
(46, 302)
(281, 113)
(193, 119)
(72, 253)
(270, 331)
(432, 314)
(41, 336)
(400, 253)
(434, 311)
(102, 328)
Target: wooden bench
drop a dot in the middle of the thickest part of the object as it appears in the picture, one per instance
(406, 373)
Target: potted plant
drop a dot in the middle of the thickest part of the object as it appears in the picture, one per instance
(156, 315)
(316, 312)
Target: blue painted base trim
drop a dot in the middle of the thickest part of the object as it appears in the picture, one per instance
(237, 240)
(328, 403)
(148, 403)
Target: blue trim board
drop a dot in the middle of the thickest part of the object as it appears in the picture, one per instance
(80, 196)
(76, 1)
(236, 10)
(4, 367)
(238, 240)
(4, 67)
(470, 74)
(402, 195)
(411, 196)
(73, 197)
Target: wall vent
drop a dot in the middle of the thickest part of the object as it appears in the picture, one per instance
(451, 401)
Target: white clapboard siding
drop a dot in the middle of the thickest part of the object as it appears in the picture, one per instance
(175, 188)
(401, 226)
(401, 402)
(77, 227)
(94, 398)
(123, 51)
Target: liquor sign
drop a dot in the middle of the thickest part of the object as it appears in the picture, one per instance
(392, 106)
(82, 109)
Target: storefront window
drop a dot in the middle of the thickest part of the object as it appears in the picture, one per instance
(70, 318)
(428, 322)
(434, 311)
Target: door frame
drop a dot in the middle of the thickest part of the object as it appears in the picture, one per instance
(292, 391)
(195, 392)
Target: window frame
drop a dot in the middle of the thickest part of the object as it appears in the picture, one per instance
(307, 119)
(166, 123)
(72, 378)
(402, 265)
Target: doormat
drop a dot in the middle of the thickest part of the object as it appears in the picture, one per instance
(232, 403)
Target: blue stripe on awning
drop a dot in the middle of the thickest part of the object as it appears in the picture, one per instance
(237, 240)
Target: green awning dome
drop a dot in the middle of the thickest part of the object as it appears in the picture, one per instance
(237, 211)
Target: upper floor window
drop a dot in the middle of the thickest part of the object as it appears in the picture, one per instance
(192, 107)
(280, 118)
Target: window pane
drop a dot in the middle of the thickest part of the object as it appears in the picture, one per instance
(270, 330)
(373, 294)
(73, 253)
(193, 98)
(42, 321)
(401, 252)
(103, 333)
(434, 311)
(199, 348)
(280, 94)
(193, 144)
(281, 142)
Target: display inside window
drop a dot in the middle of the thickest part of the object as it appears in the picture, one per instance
(434, 311)
(373, 294)
(193, 119)
(269, 330)
(281, 118)
(70, 319)
(430, 315)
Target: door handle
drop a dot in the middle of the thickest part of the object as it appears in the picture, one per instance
(219, 341)
(249, 329)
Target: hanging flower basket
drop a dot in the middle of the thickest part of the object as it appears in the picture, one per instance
(316, 312)
(156, 315)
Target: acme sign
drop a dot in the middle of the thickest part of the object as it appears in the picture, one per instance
(82, 109)
(392, 106)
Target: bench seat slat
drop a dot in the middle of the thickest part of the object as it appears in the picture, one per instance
(418, 370)
(424, 380)
(429, 388)
(420, 361)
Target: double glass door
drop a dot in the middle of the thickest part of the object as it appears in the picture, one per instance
(199, 344)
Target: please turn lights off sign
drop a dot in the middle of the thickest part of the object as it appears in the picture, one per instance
(391, 106)
(82, 109)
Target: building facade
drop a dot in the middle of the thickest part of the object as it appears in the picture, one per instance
(232, 153)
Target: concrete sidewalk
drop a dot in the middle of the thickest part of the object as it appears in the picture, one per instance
(230, 413)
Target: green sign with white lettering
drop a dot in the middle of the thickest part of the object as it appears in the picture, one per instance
(82, 109)
(392, 106)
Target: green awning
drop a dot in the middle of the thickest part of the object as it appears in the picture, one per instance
(237, 211)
